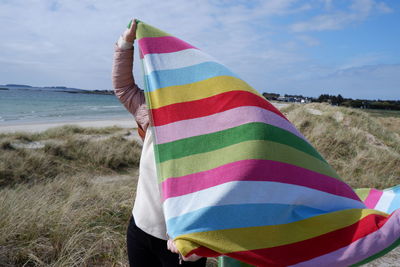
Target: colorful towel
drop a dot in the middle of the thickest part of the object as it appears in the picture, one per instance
(238, 179)
(387, 200)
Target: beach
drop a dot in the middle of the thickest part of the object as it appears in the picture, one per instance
(35, 111)
(35, 127)
(122, 122)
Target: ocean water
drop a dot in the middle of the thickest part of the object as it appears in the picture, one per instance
(30, 106)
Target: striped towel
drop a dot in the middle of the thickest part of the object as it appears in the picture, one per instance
(238, 179)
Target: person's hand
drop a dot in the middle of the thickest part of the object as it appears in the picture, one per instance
(192, 257)
(171, 246)
(130, 34)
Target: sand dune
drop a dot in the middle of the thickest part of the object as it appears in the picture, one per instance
(124, 122)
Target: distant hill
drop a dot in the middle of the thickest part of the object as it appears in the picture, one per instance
(17, 85)
(55, 89)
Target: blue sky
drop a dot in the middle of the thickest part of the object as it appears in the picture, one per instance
(348, 47)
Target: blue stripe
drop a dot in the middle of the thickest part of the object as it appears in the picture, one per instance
(396, 200)
(238, 216)
(163, 78)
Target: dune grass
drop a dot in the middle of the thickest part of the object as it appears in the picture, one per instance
(66, 222)
(65, 151)
(65, 201)
(383, 113)
(66, 194)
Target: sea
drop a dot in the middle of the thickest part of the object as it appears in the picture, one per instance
(18, 106)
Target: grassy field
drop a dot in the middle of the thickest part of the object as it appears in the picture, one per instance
(383, 113)
(65, 151)
(66, 194)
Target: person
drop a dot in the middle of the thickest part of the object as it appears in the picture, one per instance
(147, 241)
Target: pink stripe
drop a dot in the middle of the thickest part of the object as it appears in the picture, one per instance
(221, 121)
(373, 198)
(255, 170)
(159, 45)
(362, 248)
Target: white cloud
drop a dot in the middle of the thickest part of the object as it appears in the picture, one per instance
(328, 4)
(52, 42)
(358, 11)
(68, 37)
(383, 8)
(363, 60)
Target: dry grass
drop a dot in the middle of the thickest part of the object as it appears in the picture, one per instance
(57, 207)
(65, 151)
(65, 222)
(67, 193)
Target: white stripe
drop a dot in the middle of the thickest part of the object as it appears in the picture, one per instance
(385, 201)
(255, 192)
(176, 60)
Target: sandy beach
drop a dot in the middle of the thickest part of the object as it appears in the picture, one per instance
(123, 122)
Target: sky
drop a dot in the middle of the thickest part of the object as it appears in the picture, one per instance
(347, 47)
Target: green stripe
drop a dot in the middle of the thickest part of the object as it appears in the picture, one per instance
(145, 30)
(246, 132)
(379, 254)
(246, 150)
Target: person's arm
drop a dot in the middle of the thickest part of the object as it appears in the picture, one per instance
(130, 95)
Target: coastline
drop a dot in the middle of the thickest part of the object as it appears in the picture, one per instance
(40, 126)
(123, 122)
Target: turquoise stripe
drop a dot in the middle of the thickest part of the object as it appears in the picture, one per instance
(396, 200)
(238, 216)
(164, 78)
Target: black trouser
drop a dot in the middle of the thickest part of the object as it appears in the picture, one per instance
(145, 250)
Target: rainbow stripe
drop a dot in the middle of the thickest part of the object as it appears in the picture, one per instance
(387, 200)
(238, 179)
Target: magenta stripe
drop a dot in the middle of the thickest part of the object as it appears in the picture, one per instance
(373, 198)
(255, 170)
(159, 45)
(221, 121)
(362, 248)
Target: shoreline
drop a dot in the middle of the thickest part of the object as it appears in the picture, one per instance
(40, 126)
(34, 127)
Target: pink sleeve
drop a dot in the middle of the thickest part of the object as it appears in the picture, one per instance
(130, 95)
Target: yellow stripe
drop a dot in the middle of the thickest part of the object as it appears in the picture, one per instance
(145, 30)
(362, 193)
(254, 149)
(198, 90)
(242, 239)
